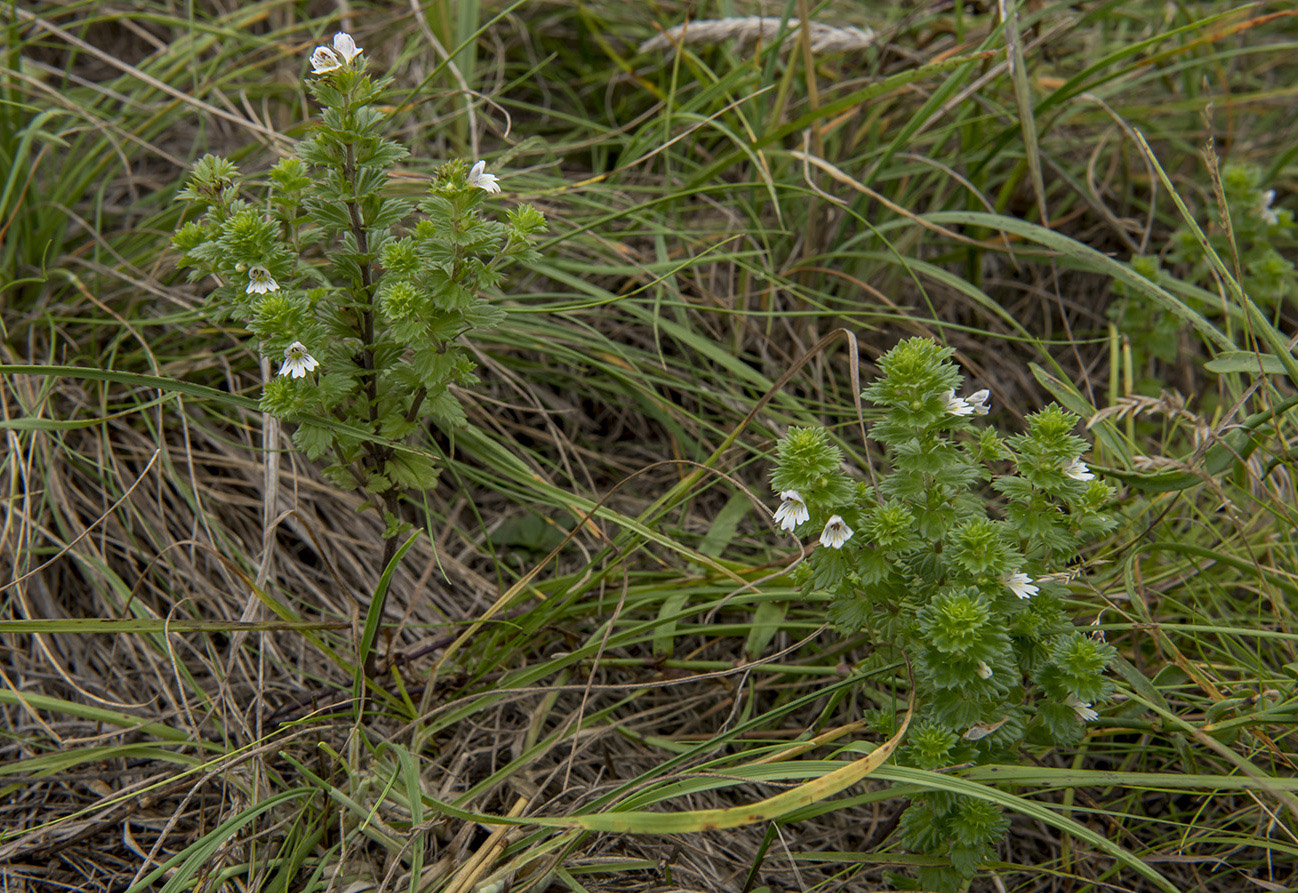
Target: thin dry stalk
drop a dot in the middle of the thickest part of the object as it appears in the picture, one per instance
(749, 30)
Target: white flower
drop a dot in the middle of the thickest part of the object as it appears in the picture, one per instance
(792, 510)
(1078, 471)
(297, 362)
(1268, 213)
(978, 402)
(479, 177)
(836, 533)
(957, 405)
(260, 281)
(1021, 585)
(345, 47)
(324, 60)
(1081, 708)
(984, 671)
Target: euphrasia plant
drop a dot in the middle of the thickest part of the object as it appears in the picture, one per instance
(1257, 233)
(359, 299)
(957, 557)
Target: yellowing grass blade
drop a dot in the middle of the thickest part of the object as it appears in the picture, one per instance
(641, 822)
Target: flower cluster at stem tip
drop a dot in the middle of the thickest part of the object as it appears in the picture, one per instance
(343, 53)
(365, 294)
(954, 558)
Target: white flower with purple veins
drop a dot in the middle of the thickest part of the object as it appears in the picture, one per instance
(836, 533)
(957, 405)
(479, 177)
(297, 362)
(1021, 585)
(324, 60)
(345, 47)
(792, 510)
(977, 402)
(260, 281)
(1268, 214)
(1078, 471)
(1081, 708)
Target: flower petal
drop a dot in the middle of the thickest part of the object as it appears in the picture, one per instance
(1021, 585)
(1079, 471)
(479, 177)
(260, 282)
(956, 406)
(345, 47)
(297, 362)
(978, 402)
(836, 533)
(324, 60)
(792, 511)
(1081, 708)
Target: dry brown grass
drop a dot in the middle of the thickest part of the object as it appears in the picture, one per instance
(124, 749)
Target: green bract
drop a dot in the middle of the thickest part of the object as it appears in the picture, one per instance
(950, 563)
(323, 254)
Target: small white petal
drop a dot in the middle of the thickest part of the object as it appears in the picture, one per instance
(260, 281)
(297, 362)
(836, 533)
(1081, 708)
(324, 60)
(479, 177)
(978, 402)
(984, 671)
(1021, 585)
(956, 405)
(792, 511)
(1078, 471)
(1269, 216)
(345, 47)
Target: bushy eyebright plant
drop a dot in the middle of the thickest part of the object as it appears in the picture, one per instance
(360, 299)
(957, 558)
(1259, 231)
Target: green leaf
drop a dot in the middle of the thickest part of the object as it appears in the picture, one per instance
(664, 631)
(1247, 362)
(412, 471)
(312, 439)
(483, 315)
(725, 525)
(445, 409)
(766, 622)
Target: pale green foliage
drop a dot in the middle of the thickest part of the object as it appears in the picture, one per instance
(928, 568)
(1259, 229)
(1259, 233)
(379, 295)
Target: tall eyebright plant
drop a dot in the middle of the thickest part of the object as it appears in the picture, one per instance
(361, 300)
(958, 558)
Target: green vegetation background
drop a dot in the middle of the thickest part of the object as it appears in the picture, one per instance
(593, 634)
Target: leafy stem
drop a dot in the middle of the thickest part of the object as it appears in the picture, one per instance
(368, 327)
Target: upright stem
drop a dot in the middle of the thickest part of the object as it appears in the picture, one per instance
(390, 544)
(367, 286)
(379, 455)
